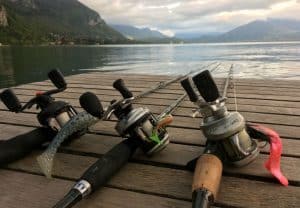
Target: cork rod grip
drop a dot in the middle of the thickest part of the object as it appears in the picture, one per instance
(208, 174)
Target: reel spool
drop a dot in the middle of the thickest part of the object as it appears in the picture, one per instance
(55, 114)
(139, 123)
(226, 129)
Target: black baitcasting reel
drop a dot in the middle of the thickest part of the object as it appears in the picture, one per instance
(137, 123)
(53, 114)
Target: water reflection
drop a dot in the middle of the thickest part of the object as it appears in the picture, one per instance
(7, 71)
(27, 64)
(252, 60)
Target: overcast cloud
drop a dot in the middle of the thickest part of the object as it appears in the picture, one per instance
(205, 16)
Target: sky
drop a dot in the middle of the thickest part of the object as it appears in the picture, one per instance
(192, 16)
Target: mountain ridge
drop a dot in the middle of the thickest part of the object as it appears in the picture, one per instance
(31, 21)
(145, 34)
(258, 30)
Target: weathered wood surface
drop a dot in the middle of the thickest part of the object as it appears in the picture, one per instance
(159, 181)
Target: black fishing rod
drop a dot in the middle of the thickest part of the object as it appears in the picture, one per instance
(230, 141)
(52, 116)
(82, 121)
(141, 130)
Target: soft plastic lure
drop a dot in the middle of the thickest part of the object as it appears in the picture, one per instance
(273, 162)
(77, 123)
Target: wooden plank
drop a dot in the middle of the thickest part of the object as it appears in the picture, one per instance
(143, 174)
(108, 126)
(99, 144)
(271, 100)
(240, 82)
(142, 76)
(279, 107)
(175, 183)
(20, 188)
(187, 105)
(189, 122)
(166, 90)
(176, 86)
(256, 89)
(253, 117)
(185, 109)
(262, 102)
(177, 135)
(265, 97)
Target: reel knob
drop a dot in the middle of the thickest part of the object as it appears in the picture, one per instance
(206, 86)
(57, 78)
(187, 85)
(90, 102)
(11, 101)
(120, 86)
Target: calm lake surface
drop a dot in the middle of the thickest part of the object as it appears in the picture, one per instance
(20, 65)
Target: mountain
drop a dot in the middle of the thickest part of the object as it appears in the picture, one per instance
(35, 21)
(259, 30)
(269, 30)
(190, 36)
(143, 34)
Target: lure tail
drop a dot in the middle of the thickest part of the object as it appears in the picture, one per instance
(273, 162)
(77, 123)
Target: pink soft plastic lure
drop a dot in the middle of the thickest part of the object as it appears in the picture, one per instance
(273, 163)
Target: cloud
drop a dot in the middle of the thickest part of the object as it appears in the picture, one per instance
(174, 16)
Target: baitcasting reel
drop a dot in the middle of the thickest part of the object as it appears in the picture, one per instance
(136, 123)
(53, 114)
(225, 130)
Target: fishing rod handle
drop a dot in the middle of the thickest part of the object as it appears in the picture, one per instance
(120, 86)
(102, 170)
(186, 84)
(206, 182)
(21, 145)
(57, 78)
(10, 100)
(206, 86)
(99, 173)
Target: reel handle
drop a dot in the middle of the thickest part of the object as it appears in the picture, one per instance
(206, 182)
(11, 101)
(120, 86)
(206, 86)
(90, 102)
(186, 84)
(57, 78)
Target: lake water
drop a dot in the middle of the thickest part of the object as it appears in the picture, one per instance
(20, 65)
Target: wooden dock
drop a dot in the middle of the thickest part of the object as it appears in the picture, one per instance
(160, 181)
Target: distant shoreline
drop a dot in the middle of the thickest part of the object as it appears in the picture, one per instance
(144, 44)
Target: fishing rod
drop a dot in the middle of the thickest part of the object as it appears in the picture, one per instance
(140, 128)
(53, 116)
(230, 141)
(84, 120)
